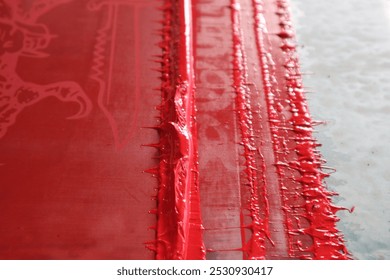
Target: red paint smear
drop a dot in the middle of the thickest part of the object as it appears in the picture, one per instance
(255, 248)
(281, 189)
(307, 204)
(179, 229)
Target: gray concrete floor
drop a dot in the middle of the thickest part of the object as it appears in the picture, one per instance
(344, 48)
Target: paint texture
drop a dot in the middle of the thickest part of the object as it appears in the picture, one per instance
(307, 204)
(178, 212)
(214, 87)
(284, 208)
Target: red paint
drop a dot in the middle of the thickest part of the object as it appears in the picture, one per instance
(179, 229)
(282, 203)
(259, 227)
(310, 216)
(77, 80)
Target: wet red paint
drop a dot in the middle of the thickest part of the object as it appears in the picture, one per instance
(310, 216)
(259, 227)
(280, 172)
(236, 173)
(179, 229)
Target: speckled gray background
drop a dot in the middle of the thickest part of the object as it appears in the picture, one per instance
(344, 46)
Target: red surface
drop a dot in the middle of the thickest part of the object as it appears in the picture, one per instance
(179, 232)
(170, 129)
(262, 194)
(74, 188)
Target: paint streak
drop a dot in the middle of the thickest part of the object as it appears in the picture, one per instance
(179, 229)
(310, 216)
(255, 247)
(285, 211)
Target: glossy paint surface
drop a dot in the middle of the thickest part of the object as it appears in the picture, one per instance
(276, 196)
(169, 129)
(179, 229)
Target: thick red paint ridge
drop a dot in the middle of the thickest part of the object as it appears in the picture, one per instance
(179, 228)
(310, 216)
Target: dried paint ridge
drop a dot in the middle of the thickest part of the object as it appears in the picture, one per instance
(179, 229)
(299, 163)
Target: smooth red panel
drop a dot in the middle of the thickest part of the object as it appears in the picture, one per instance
(76, 91)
